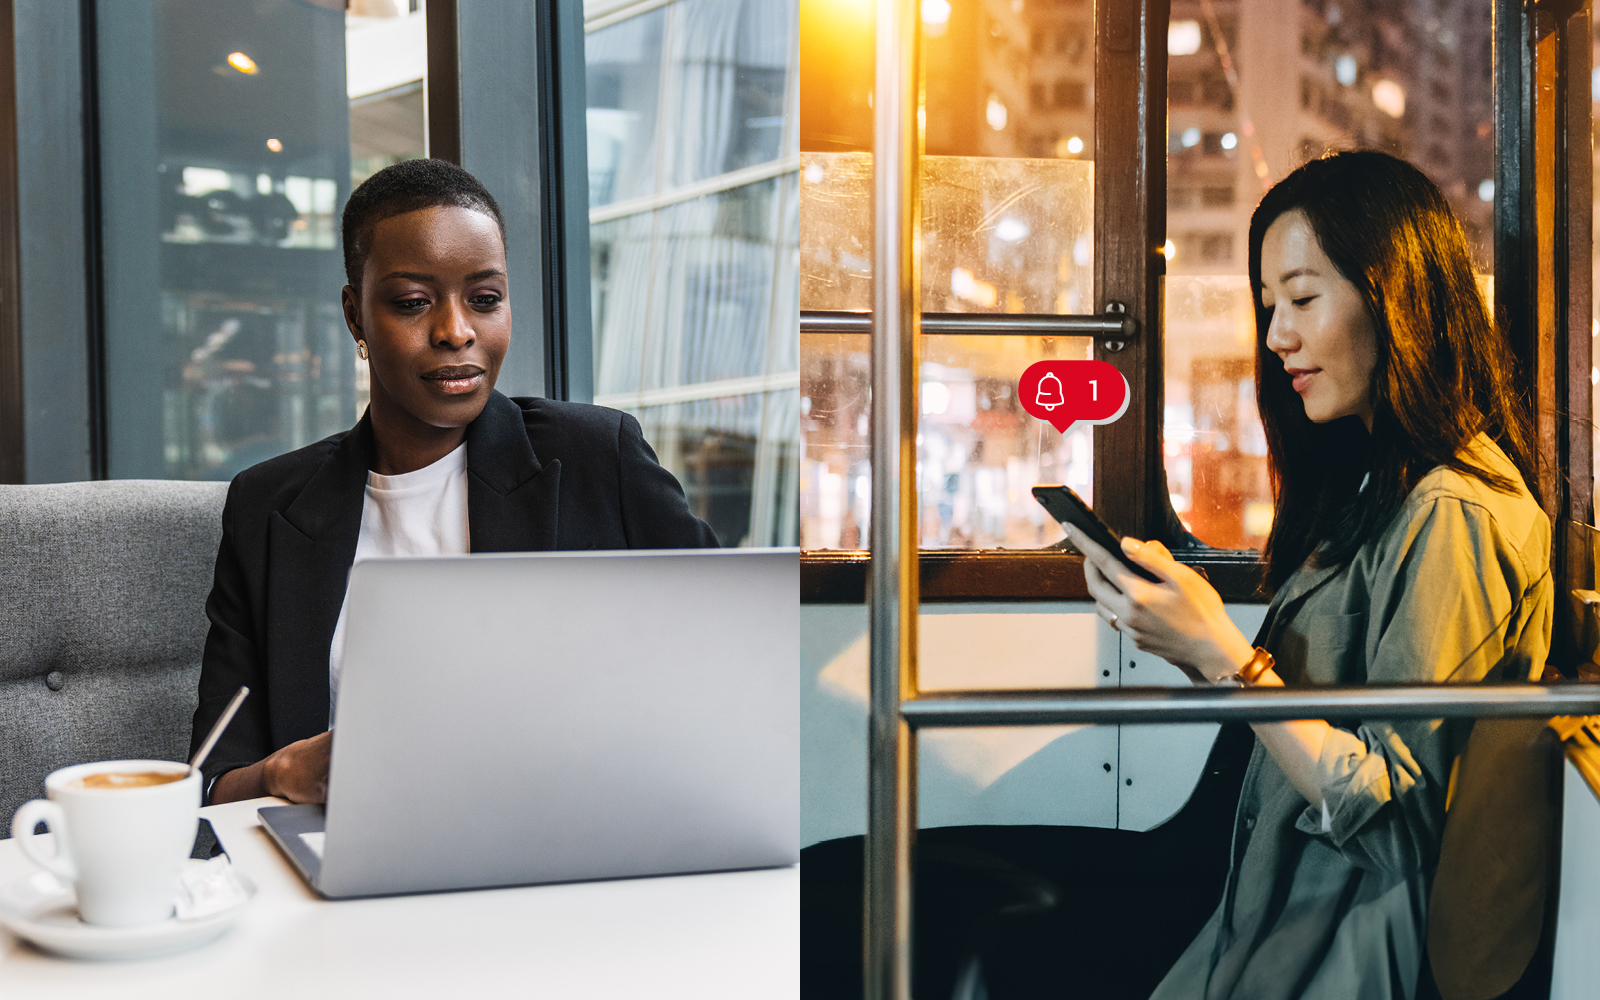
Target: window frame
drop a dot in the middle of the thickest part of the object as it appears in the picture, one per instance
(1542, 242)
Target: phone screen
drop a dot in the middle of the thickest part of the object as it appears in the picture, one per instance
(1068, 508)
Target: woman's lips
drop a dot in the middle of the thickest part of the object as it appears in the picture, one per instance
(455, 380)
(1302, 377)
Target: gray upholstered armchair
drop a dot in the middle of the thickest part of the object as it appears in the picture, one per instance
(102, 622)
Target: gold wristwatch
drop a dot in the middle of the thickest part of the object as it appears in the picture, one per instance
(1259, 663)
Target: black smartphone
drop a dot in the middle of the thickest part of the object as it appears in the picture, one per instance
(1068, 508)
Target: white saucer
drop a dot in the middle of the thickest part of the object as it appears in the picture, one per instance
(42, 910)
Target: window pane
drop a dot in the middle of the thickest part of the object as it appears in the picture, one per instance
(1000, 235)
(978, 452)
(1007, 227)
(1249, 99)
(230, 137)
(694, 293)
(624, 87)
(731, 60)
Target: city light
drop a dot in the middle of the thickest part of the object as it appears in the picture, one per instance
(1344, 70)
(275, 145)
(995, 113)
(1229, 140)
(967, 286)
(1486, 190)
(1074, 145)
(1183, 38)
(1190, 137)
(1390, 98)
(1011, 230)
(936, 12)
(1168, 250)
(242, 63)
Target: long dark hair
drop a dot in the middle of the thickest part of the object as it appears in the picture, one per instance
(1443, 375)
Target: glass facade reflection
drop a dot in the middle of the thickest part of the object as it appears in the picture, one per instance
(230, 139)
(694, 211)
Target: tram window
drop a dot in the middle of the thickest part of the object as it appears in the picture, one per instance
(694, 224)
(230, 137)
(1352, 92)
(1007, 228)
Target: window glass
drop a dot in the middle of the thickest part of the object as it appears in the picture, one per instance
(1007, 228)
(624, 89)
(230, 136)
(1249, 99)
(978, 453)
(694, 230)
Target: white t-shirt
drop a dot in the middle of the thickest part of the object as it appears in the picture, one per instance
(421, 513)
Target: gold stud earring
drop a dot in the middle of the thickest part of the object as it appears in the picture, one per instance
(361, 349)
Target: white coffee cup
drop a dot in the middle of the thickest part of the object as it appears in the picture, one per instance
(122, 848)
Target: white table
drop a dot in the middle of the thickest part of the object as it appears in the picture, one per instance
(733, 934)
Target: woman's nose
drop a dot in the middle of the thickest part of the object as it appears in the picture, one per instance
(453, 329)
(1281, 338)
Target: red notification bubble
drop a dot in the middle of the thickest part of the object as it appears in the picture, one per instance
(1069, 392)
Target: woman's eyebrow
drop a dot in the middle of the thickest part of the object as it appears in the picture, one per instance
(1309, 272)
(489, 272)
(412, 275)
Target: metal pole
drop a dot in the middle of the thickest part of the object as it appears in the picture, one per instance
(891, 747)
(1134, 706)
(1119, 326)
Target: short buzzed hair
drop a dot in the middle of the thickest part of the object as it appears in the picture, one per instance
(406, 187)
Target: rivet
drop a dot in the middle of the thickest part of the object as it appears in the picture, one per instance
(54, 680)
(1106, 766)
(1130, 781)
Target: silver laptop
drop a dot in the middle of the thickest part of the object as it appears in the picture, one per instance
(513, 719)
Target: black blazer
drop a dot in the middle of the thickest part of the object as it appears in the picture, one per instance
(542, 475)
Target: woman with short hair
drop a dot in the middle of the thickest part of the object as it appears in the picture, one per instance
(1406, 547)
(440, 464)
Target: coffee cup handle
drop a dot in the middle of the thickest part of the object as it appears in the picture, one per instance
(38, 811)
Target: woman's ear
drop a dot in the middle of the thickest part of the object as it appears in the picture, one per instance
(350, 299)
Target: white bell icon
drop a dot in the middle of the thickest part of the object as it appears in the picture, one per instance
(1050, 397)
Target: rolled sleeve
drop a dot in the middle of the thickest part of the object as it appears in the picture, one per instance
(1359, 775)
(1447, 586)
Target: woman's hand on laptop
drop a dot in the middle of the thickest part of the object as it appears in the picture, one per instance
(299, 772)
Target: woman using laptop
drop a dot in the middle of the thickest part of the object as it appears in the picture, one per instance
(1406, 547)
(440, 464)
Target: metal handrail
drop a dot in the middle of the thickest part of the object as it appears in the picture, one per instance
(1132, 706)
(1112, 325)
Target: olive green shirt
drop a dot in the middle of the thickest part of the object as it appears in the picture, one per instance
(1333, 904)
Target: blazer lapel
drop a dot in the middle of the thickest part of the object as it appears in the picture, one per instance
(311, 545)
(512, 499)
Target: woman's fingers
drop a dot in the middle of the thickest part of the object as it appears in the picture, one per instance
(1091, 549)
(1153, 556)
(1110, 603)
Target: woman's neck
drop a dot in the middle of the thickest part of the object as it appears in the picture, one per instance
(402, 442)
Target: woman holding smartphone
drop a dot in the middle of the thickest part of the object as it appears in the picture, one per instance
(1406, 547)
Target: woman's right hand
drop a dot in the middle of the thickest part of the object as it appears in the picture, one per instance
(299, 772)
